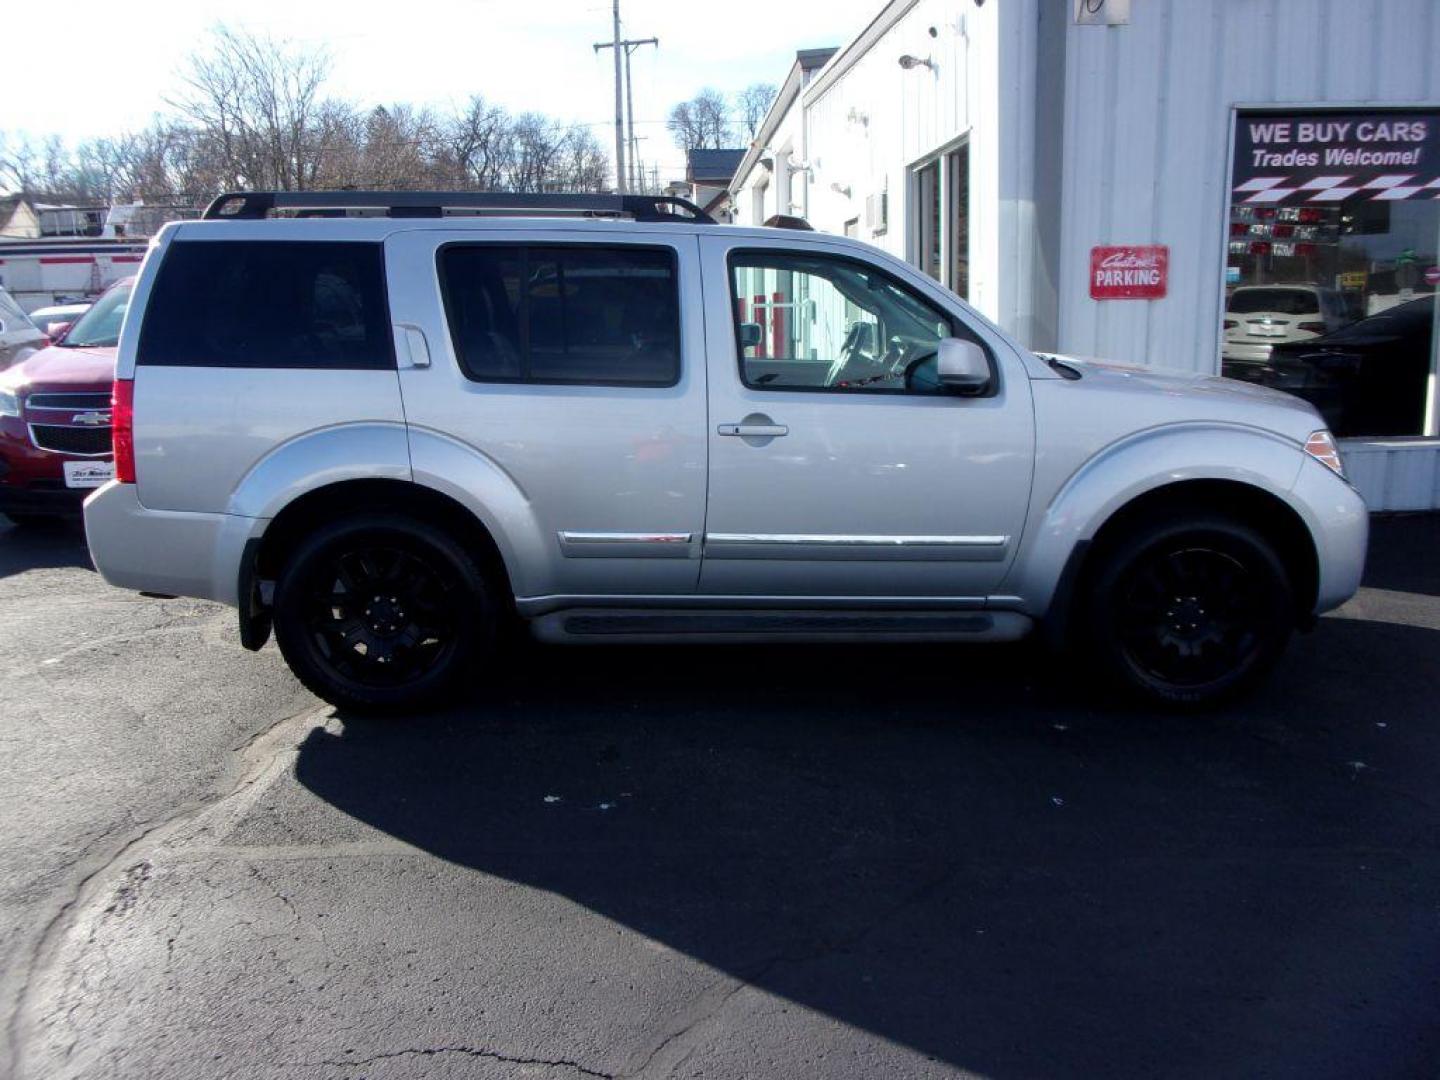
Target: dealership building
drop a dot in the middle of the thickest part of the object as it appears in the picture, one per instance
(1249, 187)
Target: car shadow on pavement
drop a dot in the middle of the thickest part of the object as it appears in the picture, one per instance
(42, 546)
(955, 851)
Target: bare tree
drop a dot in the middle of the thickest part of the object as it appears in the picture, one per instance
(751, 104)
(259, 100)
(253, 113)
(702, 123)
(475, 144)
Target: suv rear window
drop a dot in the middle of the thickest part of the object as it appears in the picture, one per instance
(553, 314)
(1280, 301)
(263, 304)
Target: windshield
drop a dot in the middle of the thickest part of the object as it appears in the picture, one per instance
(100, 326)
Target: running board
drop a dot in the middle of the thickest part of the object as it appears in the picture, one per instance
(600, 625)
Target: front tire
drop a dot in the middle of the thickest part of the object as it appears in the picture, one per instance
(1188, 612)
(382, 613)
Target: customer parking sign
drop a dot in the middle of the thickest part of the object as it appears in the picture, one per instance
(1129, 272)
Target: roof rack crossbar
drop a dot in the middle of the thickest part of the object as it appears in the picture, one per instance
(255, 205)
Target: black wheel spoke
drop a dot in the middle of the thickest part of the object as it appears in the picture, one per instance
(382, 615)
(1186, 616)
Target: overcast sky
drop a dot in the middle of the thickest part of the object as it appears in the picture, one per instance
(94, 68)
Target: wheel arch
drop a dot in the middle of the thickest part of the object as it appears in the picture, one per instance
(1264, 510)
(265, 554)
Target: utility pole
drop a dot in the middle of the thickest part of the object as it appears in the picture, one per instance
(635, 169)
(616, 44)
(621, 99)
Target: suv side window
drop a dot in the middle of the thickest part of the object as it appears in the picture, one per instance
(590, 315)
(825, 322)
(268, 304)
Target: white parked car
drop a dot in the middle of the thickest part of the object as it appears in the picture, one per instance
(19, 337)
(54, 320)
(1259, 317)
(381, 432)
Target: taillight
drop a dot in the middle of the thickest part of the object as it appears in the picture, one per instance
(1311, 327)
(122, 429)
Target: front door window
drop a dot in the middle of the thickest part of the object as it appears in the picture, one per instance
(815, 322)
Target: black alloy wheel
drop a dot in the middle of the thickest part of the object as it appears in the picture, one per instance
(1190, 612)
(380, 613)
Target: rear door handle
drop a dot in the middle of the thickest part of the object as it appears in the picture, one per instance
(412, 341)
(759, 431)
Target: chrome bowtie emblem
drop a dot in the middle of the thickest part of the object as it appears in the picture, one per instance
(91, 419)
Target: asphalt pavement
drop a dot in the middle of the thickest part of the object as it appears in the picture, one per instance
(791, 862)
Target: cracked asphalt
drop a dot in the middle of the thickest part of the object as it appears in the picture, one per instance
(712, 862)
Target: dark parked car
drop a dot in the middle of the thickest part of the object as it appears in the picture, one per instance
(1367, 378)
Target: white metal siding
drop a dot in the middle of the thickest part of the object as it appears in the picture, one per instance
(1394, 474)
(912, 115)
(1147, 140)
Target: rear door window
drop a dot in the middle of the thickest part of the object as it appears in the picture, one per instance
(584, 315)
(262, 304)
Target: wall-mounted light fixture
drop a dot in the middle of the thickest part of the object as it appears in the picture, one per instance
(909, 62)
(841, 189)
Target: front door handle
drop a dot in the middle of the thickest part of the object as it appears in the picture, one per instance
(753, 430)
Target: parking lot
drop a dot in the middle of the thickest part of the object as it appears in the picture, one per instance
(712, 862)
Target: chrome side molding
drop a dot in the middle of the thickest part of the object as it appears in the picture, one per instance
(576, 544)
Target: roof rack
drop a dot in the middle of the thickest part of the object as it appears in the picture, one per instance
(255, 205)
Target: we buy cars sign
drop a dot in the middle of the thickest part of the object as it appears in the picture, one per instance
(1129, 272)
(1329, 156)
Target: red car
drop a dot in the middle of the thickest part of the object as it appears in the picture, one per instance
(55, 417)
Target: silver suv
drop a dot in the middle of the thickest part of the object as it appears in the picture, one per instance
(381, 423)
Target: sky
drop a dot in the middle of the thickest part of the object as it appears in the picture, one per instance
(114, 72)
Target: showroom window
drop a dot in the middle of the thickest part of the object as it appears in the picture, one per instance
(940, 241)
(1333, 257)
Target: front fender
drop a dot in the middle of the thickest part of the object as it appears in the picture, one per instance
(319, 458)
(1069, 518)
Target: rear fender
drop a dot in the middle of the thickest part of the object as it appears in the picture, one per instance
(316, 459)
(478, 483)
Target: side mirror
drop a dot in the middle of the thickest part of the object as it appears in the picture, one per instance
(751, 335)
(962, 366)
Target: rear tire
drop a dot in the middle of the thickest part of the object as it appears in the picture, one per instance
(1190, 611)
(381, 613)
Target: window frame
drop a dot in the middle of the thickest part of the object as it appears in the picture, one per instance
(944, 160)
(389, 360)
(958, 328)
(525, 247)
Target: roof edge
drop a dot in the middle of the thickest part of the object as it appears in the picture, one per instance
(790, 90)
(857, 47)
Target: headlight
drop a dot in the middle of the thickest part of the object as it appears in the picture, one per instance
(9, 403)
(1321, 446)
